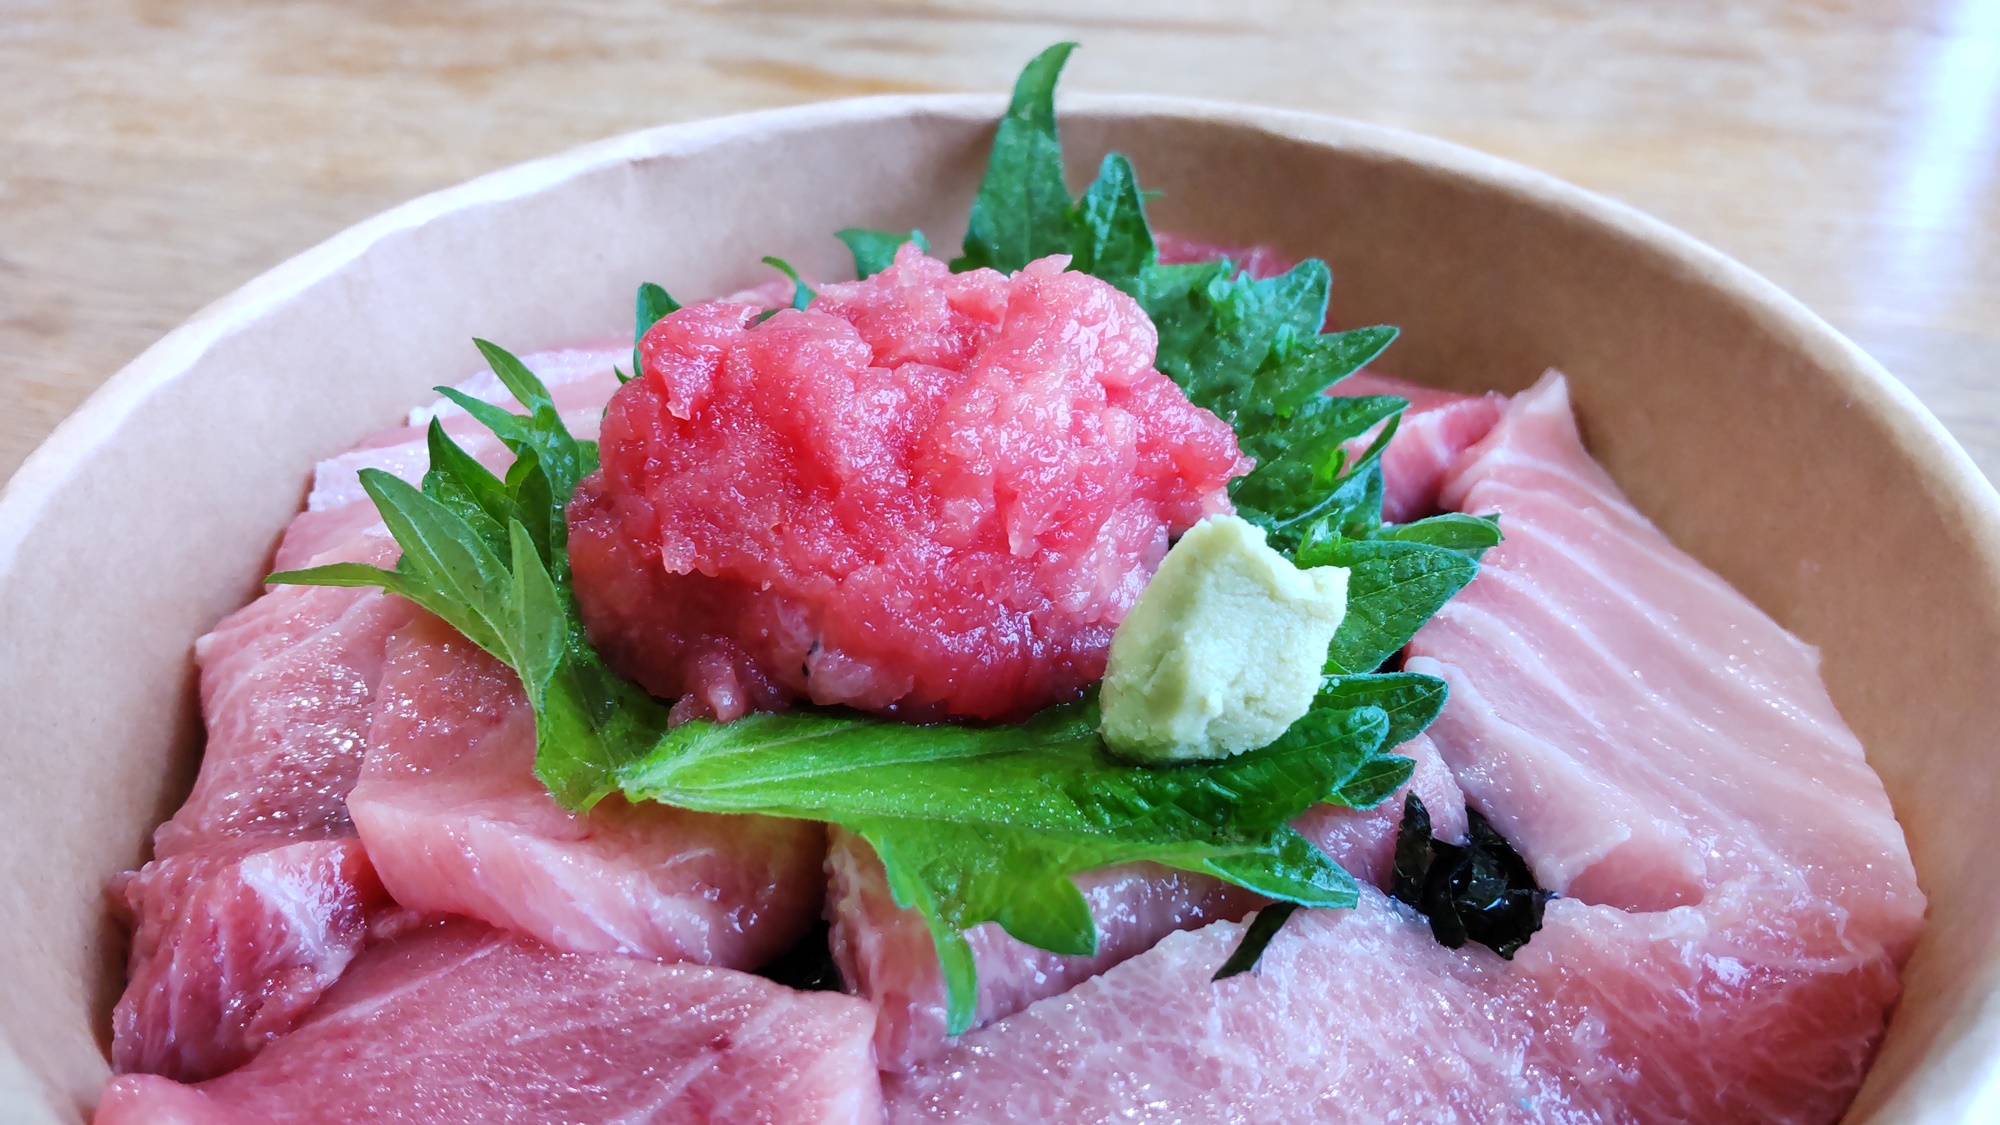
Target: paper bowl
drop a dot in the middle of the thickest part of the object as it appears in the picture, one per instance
(1756, 436)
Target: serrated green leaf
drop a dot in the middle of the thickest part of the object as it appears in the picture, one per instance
(565, 460)
(1112, 239)
(875, 250)
(465, 487)
(802, 294)
(1454, 531)
(1375, 782)
(1409, 700)
(1301, 457)
(1023, 210)
(650, 305)
(1392, 589)
(979, 824)
(1292, 870)
(444, 555)
(1256, 938)
(349, 574)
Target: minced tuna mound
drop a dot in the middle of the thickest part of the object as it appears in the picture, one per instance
(929, 494)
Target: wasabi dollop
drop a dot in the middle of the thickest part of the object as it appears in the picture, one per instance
(1223, 650)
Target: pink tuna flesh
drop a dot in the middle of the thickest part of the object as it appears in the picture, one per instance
(455, 821)
(929, 494)
(1675, 738)
(580, 381)
(1437, 428)
(230, 948)
(259, 894)
(459, 1023)
(1257, 261)
(886, 955)
(1665, 707)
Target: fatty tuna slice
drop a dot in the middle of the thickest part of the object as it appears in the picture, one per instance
(460, 1023)
(1677, 739)
(1257, 261)
(580, 380)
(1760, 996)
(455, 821)
(886, 955)
(230, 947)
(258, 895)
(1434, 431)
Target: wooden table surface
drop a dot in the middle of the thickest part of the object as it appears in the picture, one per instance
(154, 154)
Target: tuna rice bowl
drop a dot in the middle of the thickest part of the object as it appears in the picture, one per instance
(1077, 680)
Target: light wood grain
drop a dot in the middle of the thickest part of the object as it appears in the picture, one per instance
(154, 155)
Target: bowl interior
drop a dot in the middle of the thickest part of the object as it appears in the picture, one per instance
(1756, 437)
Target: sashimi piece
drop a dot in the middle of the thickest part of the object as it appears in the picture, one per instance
(1360, 1016)
(1437, 428)
(1588, 637)
(460, 1023)
(455, 821)
(1257, 261)
(579, 379)
(886, 955)
(1615, 679)
(1351, 1016)
(231, 947)
(258, 894)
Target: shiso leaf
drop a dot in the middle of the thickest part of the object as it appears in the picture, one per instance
(874, 250)
(1454, 531)
(802, 294)
(978, 824)
(1256, 937)
(651, 305)
(1393, 587)
(1112, 240)
(1023, 210)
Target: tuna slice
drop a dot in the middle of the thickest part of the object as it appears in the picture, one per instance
(1433, 432)
(454, 821)
(580, 380)
(885, 952)
(1257, 261)
(459, 1023)
(1611, 701)
(258, 894)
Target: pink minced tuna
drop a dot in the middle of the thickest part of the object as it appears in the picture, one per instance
(929, 494)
